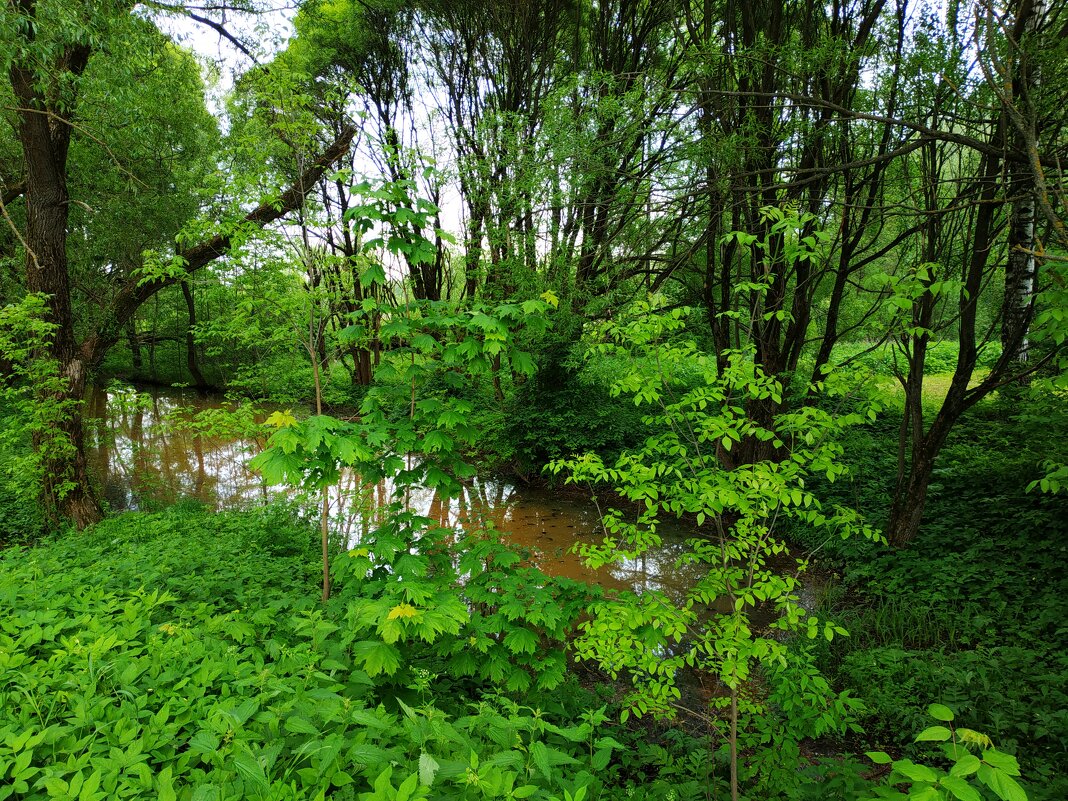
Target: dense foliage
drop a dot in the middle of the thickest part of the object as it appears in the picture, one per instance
(779, 287)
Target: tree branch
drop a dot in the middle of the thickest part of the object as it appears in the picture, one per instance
(132, 295)
(9, 194)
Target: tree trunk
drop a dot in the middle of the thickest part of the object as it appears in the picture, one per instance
(45, 141)
(135, 346)
(1019, 271)
(910, 499)
(1020, 266)
(66, 490)
(190, 339)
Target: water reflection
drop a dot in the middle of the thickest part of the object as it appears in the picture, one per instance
(143, 461)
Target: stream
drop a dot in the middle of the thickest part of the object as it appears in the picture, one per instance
(143, 463)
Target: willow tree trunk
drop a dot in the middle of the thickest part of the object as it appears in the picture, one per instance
(45, 140)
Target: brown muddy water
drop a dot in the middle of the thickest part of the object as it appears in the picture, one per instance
(144, 461)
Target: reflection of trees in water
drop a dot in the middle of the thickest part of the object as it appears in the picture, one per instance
(141, 461)
(538, 521)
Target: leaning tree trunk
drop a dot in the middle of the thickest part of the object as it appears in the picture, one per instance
(44, 135)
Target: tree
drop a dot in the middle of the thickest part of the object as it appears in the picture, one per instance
(696, 412)
(48, 47)
(965, 186)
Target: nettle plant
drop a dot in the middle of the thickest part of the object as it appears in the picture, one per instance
(744, 618)
(32, 396)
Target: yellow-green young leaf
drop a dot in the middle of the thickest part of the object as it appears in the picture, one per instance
(281, 419)
(933, 734)
(974, 737)
(940, 712)
(402, 611)
(550, 297)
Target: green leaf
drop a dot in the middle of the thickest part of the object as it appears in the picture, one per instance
(960, 789)
(374, 274)
(924, 793)
(424, 342)
(369, 755)
(428, 768)
(204, 742)
(879, 757)
(934, 734)
(1002, 761)
(165, 785)
(298, 725)
(522, 362)
(249, 768)
(341, 778)
(521, 641)
(940, 712)
(404, 792)
(378, 657)
(1004, 786)
(540, 755)
(917, 773)
(966, 765)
